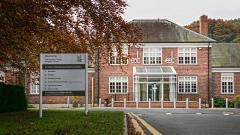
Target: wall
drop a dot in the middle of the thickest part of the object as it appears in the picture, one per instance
(200, 70)
(217, 85)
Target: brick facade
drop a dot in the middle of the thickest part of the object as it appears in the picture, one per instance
(168, 36)
(200, 70)
(217, 85)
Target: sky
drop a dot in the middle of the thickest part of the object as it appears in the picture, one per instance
(182, 12)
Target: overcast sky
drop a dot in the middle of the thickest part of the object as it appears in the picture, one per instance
(182, 12)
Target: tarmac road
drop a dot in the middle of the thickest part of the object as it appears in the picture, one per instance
(192, 121)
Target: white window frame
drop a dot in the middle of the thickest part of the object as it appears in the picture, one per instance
(222, 78)
(2, 75)
(34, 84)
(190, 55)
(115, 55)
(184, 81)
(118, 79)
(148, 51)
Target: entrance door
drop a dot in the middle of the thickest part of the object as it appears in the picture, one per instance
(154, 91)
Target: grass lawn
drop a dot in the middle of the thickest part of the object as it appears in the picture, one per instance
(62, 122)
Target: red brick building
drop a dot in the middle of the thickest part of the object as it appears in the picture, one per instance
(170, 63)
(226, 70)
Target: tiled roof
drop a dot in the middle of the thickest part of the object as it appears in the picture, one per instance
(164, 31)
(226, 55)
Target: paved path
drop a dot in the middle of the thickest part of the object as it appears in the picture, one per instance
(192, 121)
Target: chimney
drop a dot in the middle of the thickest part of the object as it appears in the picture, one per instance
(203, 25)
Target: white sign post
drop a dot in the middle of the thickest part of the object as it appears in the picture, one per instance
(63, 75)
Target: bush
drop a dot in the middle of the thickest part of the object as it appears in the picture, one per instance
(12, 98)
(237, 101)
(219, 102)
(237, 98)
(231, 104)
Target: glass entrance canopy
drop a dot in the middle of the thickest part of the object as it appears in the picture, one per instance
(155, 83)
(154, 70)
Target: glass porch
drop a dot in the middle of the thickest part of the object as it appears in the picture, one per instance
(155, 83)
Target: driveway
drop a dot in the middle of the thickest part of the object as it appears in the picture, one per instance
(192, 121)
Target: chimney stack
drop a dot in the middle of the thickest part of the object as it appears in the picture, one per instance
(203, 25)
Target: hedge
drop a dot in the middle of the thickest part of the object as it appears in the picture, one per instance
(12, 98)
(221, 103)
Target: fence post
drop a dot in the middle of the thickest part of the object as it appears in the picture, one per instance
(226, 102)
(174, 102)
(100, 102)
(68, 101)
(112, 102)
(186, 103)
(124, 102)
(212, 103)
(136, 103)
(149, 103)
(199, 103)
(161, 103)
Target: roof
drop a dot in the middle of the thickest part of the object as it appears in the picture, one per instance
(153, 70)
(164, 31)
(226, 55)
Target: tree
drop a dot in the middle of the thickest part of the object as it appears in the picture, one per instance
(220, 30)
(31, 27)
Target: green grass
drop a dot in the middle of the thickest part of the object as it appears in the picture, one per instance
(55, 122)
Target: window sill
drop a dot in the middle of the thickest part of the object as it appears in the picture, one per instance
(118, 64)
(151, 64)
(118, 93)
(188, 64)
(188, 93)
(227, 93)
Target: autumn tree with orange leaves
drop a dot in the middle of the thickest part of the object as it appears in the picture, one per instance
(223, 31)
(31, 27)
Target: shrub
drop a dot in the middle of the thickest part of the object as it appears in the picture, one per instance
(219, 102)
(237, 101)
(237, 98)
(231, 104)
(12, 98)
